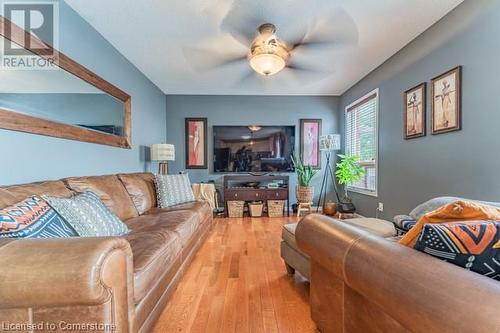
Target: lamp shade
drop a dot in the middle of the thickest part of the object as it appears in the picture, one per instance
(329, 142)
(162, 152)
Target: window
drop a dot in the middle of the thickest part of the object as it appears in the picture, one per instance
(361, 135)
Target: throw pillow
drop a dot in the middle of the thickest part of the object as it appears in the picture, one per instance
(468, 245)
(173, 190)
(458, 211)
(438, 202)
(404, 222)
(33, 218)
(88, 215)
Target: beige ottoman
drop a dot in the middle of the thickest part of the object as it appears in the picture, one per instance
(296, 260)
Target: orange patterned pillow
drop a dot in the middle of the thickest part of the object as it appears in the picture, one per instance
(457, 211)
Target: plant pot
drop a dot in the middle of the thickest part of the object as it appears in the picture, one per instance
(330, 208)
(305, 194)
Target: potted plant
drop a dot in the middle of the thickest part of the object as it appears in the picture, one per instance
(349, 171)
(305, 173)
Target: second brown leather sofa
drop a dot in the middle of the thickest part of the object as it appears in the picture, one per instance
(118, 283)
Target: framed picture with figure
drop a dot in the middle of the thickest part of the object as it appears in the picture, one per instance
(196, 143)
(446, 94)
(415, 110)
(310, 131)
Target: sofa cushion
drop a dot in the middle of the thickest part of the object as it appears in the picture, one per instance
(33, 218)
(201, 208)
(468, 245)
(157, 241)
(86, 213)
(153, 252)
(173, 190)
(141, 188)
(110, 190)
(10, 195)
(183, 222)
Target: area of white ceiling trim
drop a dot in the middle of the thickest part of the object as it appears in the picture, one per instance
(155, 34)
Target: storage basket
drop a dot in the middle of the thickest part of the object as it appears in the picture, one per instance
(235, 208)
(256, 208)
(275, 208)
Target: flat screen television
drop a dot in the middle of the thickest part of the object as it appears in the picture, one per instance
(249, 149)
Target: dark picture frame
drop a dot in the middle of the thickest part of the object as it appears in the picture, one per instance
(310, 131)
(196, 143)
(415, 104)
(446, 94)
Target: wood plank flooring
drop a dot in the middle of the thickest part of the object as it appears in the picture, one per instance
(238, 283)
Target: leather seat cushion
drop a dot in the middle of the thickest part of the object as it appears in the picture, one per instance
(156, 241)
(201, 208)
(141, 188)
(11, 195)
(110, 190)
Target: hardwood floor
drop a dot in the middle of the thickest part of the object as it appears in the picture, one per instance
(238, 283)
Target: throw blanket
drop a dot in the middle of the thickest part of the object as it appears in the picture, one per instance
(457, 211)
(205, 192)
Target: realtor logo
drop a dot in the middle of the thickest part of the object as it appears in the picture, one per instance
(37, 49)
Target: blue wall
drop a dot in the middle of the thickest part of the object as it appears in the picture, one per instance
(27, 157)
(463, 163)
(245, 110)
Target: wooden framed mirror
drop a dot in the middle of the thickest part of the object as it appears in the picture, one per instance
(65, 101)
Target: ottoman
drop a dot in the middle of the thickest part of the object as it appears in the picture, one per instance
(296, 260)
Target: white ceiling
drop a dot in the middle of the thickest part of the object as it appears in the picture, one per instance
(155, 34)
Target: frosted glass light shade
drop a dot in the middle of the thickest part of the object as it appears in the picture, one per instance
(163, 152)
(267, 63)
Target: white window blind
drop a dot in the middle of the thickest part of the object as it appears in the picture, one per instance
(361, 139)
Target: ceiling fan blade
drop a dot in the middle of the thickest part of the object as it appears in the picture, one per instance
(203, 60)
(336, 29)
(242, 21)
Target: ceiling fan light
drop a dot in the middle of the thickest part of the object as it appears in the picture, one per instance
(267, 63)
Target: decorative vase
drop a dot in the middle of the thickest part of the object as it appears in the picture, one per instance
(305, 194)
(330, 208)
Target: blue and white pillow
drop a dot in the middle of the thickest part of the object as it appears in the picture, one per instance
(33, 218)
(86, 213)
(173, 190)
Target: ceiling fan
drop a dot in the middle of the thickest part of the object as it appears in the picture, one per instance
(268, 54)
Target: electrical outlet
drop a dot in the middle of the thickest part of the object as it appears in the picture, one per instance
(380, 207)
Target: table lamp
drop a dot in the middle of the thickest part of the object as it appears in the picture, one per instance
(162, 153)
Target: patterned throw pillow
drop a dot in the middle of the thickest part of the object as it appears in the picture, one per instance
(33, 218)
(468, 245)
(88, 215)
(173, 190)
(404, 222)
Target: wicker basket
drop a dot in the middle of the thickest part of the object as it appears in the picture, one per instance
(235, 208)
(275, 208)
(305, 194)
(256, 208)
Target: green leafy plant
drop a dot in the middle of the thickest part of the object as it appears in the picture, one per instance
(349, 170)
(305, 173)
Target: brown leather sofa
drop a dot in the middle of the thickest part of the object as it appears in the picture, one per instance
(364, 283)
(117, 283)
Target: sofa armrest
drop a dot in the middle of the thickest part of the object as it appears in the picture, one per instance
(421, 293)
(65, 273)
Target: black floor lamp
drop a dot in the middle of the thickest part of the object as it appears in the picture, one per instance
(328, 144)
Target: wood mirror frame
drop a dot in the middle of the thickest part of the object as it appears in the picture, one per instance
(12, 120)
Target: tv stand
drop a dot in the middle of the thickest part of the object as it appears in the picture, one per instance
(236, 189)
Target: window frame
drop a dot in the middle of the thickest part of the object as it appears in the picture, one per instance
(350, 106)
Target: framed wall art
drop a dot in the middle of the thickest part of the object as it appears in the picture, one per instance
(446, 94)
(415, 111)
(196, 143)
(310, 131)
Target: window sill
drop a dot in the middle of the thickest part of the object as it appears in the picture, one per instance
(364, 192)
